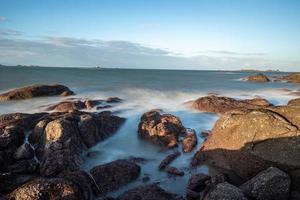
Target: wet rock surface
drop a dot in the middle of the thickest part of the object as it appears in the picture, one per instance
(190, 141)
(36, 91)
(161, 129)
(261, 78)
(290, 78)
(218, 104)
(225, 191)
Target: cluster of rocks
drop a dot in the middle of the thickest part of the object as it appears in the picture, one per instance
(261, 78)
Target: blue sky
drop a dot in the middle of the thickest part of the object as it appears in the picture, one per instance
(185, 34)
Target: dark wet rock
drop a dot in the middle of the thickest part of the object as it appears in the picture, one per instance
(295, 176)
(295, 195)
(217, 104)
(24, 166)
(137, 159)
(148, 192)
(249, 141)
(103, 107)
(25, 121)
(25, 151)
(196, 184)
(271, 184)
(261, 78)
(113, 175)
(225, 191)
(174, 171)
(294, 102)
(189, 141)
(113, 100)
(97, 128)
(36, 91)
(160, 129)
(10, 181)
(89, 104)
(63, 148)
(167, 160)
(92, 154)
(290, 78)
(40, 189)
(205, 133)
(146, 179)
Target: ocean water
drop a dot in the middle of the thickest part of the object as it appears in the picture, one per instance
(142, 90)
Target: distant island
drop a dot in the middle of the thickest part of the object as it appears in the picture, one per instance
(258, 70)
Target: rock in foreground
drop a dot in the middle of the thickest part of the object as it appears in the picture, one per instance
(218, 104)
(148, 192)
(225, 191)
(271, 184)
(36, 91)
(294, 102)
(250, 141)
(113, 175)
(261, 78)
(160, 129)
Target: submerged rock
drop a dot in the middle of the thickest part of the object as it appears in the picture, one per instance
(148, 192)
(290, 78)
(167, 160)
(216, 104)
(36, 91)
(261, 78)
(160, 129)
(249, 141)
(225, 191)
(113, 175)
(271, 184)
(189, 141)
(67, 106)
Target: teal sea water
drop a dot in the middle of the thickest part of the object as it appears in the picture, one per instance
(142, 90)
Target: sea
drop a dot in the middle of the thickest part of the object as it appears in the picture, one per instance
(143, 90)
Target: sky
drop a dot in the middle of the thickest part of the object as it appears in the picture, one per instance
(158, 34)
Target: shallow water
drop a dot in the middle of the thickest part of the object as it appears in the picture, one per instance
(142, 90)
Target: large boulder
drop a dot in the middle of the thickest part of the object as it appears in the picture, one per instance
(271, 184)
(36, 91)
(160, 129)
(148, 192)
(225, 191)
(249, 141)
(111, 176)
(67, 106)
(261, 78)
(294, 102)
(41, 188)
(219, 104)
(26, 121)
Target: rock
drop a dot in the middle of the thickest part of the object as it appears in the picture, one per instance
(103, 107)
(294, 102)
(271, 184)
(89, 104)
(216, 104)
(24, 166)
(113, 175)
(36, 91)
(25, 151)
(63, 148)
(113, 100)
(295, 176)
(167, 160)
(205, 133)
(196, 184)
(174, 171)
(249, 141)
(146, 179)
(290, 78)
(40, 189)
(25, 121)
(294, 195)
(148, 192)
(261, 78)
(10, 181)
(160, 129)
(225, 191)
(67, 106)
(189, 141)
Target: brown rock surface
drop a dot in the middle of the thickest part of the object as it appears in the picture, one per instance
(249, 141)
(261, 78)
(217, 104)
(294, 102)
(160, 129)
(36, 91)
(189, 141)
(291, 78)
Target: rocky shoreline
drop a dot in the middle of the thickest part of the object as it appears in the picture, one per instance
(42, 153)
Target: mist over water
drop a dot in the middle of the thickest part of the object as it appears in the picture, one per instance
(142, 90)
